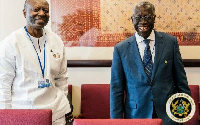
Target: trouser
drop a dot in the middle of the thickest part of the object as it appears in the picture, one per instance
(154, 115)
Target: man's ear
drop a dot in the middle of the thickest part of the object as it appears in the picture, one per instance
(24, 12)
(154, 18)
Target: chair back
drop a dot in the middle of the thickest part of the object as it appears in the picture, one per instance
(95, 101)
(195, 95)
(117, 122)
(25, 117)
(70, 90)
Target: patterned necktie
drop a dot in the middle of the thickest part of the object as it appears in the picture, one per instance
(147, 60)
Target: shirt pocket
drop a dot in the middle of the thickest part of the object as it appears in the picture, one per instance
(55, 65)
(30, 68)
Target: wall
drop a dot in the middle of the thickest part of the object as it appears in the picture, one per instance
(11, 18)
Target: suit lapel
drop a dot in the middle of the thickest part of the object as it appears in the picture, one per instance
(159, 45)
(135, 54)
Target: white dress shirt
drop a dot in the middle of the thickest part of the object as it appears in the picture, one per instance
(21, 72)
(142, 45)
(39, 47)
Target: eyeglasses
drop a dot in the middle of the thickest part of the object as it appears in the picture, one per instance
(139, 18)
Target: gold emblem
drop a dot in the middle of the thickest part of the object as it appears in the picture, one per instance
(180, 107)
(54, 55)
(57, 55)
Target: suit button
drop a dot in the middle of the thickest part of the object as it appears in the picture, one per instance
(152, 84)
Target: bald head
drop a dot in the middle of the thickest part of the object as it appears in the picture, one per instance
(28, 2)
(144, 3)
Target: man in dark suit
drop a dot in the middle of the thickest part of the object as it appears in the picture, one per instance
(146, 70)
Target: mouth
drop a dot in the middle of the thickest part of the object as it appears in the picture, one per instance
(143, 28)
(40, 20)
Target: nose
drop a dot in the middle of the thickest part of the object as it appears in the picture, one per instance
(143, 20)
(41, 12)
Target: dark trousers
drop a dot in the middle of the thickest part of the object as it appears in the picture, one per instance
(154, 115)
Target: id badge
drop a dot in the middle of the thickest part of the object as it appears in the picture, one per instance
(44, 84)
(48, 83)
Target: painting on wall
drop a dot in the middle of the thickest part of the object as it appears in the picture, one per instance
(103, 23)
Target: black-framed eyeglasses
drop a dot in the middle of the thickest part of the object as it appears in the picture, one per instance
(139, 18)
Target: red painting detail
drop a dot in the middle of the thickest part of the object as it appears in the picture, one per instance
(82, 27)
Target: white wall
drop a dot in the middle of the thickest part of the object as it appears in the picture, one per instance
(11, 16)
(11, 19)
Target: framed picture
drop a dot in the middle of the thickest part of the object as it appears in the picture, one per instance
(91, 28)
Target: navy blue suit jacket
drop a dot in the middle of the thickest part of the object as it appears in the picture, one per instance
(132, 95)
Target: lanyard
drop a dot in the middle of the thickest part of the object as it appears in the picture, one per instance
(42, 69)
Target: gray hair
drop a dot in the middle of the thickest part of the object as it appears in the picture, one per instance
(25, 4)
(144, 3)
